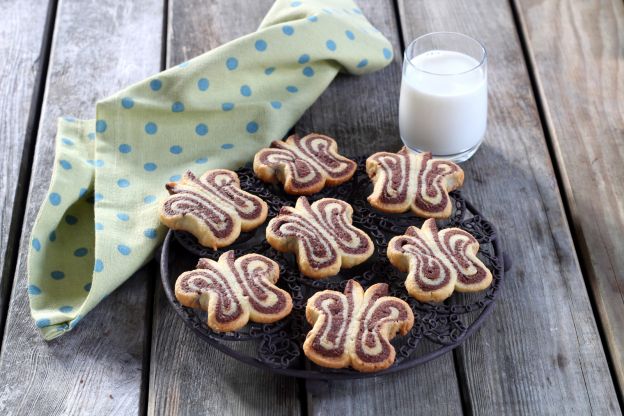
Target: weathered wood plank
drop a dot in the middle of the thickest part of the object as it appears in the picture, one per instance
(186, 375)
(540, 353)
(578, 61)
(99, 46)
(362, 113)
(22, 34)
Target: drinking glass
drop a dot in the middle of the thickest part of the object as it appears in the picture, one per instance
(443, 103)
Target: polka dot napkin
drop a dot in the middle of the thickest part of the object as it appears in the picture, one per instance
(99, 222)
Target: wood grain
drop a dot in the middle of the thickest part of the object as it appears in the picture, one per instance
(99, 46)
(540, 352)
(22, 34)
(186, 375)
(362, 113)
(578, 63)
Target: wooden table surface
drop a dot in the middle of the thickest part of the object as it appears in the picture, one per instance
(550, 175)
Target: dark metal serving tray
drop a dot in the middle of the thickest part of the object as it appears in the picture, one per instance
(438, 328)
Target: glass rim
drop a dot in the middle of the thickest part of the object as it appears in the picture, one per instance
(477, 66)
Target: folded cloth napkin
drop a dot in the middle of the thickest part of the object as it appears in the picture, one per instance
(99, 222)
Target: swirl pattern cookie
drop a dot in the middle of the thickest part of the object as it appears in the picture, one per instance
(321, 235)
(212, 207)
(406, 180)
(304, 164)
(354, 328)
(438, 262)
(234, 291)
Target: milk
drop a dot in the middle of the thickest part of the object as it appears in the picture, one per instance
(443, 104)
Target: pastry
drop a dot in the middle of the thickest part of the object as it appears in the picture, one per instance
(303, 164)
(212, 207)
(407, 180)
(355, 328)
(234, 291)
(321, 235)
(438, 262)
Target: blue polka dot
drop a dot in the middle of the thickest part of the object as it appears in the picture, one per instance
(42, 323)
(123, 183)
(98, 266)
(87, 287)
(67, 141)
(36, 244)
(203, 84)
(122, 216)
(151, 128)
(349, 35)
(150, 167)
(71, 220)
(175, 178)
(362, 63)
(312, 18)
(155, 84)
(245, 90)
(150, 233)
(99, 226)
(201, 129)
(176, 150)
(100, 126)
(98, 197)
(81, 252)
(125, 148)
(288, 30)
(331, 45)
(127, 102)
(295, 4)
(65, 164)
(260, 45)
(252, 127)
(69, 118)
(82, 192)
(269, 70)
(125, 250)
(57, 275)
(227, 146)
(183, 64)
(91, 136)
(304, 59)
(66, 309)
(292, 88)
(52, 236)
(357, 11)
(308, 71)
(33, 290)
(231, 63)
(276, 105)
(177, 107)
(149, 199)
(97, 163)
(201, 161)
(54, 198)
(387, 53)
(227, 106)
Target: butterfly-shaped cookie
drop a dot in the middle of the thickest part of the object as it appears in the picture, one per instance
(321, 235)
(438, 262)
(212, 207)
(234, 291)
(355, 328)
(304, 164)
(407, 180)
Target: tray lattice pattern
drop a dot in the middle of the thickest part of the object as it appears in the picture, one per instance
(277, 346)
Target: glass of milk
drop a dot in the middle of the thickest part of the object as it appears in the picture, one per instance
(443, 104)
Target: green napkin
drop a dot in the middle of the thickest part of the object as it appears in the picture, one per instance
(99, 222)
